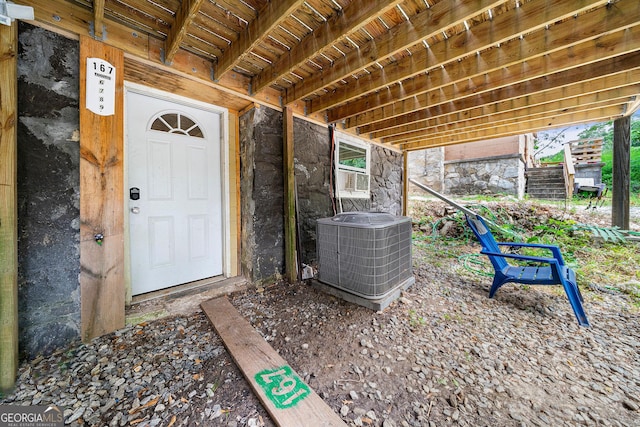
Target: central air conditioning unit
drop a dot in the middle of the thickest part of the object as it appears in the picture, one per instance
(367, 254)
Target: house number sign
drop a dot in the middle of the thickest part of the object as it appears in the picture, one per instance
(283, 388)
(101, 86)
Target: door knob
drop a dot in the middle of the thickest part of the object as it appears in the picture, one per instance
(135, 210)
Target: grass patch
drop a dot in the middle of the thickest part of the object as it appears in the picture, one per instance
(600, 256)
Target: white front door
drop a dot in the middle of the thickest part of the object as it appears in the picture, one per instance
(174, 193)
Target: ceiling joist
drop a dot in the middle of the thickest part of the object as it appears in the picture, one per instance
(588, 74)
(331, 31)
(474, 53)
(409, 74)
(441, 16)
(186, 14)
(268, 18)
(98, 18)
(580, 56)
(547, 102)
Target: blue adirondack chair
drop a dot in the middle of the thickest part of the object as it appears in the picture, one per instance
(550, 271)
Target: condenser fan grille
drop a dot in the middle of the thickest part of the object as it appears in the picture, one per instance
(367, 254)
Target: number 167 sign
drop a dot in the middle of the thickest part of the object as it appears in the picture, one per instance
(101, 86)
(282, 387)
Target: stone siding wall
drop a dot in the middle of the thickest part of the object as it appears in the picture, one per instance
(48, 191)
(262, 188)
(427, 167)
(386, 180)
(312, 151)
(495, 175)
(262, 199)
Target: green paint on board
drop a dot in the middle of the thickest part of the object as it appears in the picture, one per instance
(283, 388)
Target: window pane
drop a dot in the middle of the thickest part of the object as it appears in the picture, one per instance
(352, 155)
(185, 122)
(171, 119)
(160, 125)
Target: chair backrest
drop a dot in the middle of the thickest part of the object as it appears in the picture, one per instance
(487, 241)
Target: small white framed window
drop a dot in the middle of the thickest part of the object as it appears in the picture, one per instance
(353, 158)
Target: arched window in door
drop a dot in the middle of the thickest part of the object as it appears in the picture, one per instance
(177, 123)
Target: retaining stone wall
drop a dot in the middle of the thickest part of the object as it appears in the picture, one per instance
(496, 175)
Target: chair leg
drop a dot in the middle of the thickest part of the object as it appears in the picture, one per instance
(575, 299)
(498, 281)
(579, 293)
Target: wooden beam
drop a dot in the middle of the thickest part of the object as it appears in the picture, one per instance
(102, 290)
(460, 47)
(480, 105)
(405, 183)
(289, 401)
(73, 18)
(184, 16)
(523, 122)
(633, 105)
(442, 15)
(291, 260)
(503, 30)
(603, 114)
(419, 130)
(621, 172)
(98, 19)
(354, 16)
(268, 18)
(8, 206)
(537, 72)
(530, 53)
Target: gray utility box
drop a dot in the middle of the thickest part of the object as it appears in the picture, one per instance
(365, 253)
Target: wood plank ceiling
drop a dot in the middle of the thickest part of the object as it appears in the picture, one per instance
(411, 73)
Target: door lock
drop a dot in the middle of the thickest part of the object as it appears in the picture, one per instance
(134, 193)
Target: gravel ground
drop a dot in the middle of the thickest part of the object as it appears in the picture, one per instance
(444, 354)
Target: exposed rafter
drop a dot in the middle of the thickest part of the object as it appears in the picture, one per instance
(623, 70)
(466, 48)
(406, 73)
(517, 128)
(265, 22)
(578, 56)
(98, 18)
(546, 102)
(185, 15)
(435, 20)
(350, 19)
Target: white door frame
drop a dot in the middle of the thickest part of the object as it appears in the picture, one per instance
(224, 172)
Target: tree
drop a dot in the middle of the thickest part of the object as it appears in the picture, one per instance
(605, 131)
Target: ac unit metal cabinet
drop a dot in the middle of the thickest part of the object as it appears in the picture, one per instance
(365, 253)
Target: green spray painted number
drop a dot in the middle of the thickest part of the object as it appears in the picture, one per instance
(283, 388)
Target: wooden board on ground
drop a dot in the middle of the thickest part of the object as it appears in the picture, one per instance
(289, 401)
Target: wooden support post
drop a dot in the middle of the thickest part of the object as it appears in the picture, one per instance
(8, 206)
(621, 172)
(405, 183)
(102, 289)
(291, 264)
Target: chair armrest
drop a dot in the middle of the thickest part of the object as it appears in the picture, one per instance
(554, 249)
(550, 261)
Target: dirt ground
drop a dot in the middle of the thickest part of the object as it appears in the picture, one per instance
(443, 354)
